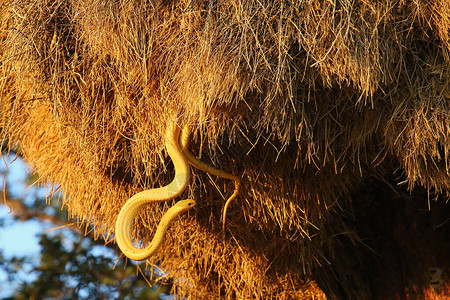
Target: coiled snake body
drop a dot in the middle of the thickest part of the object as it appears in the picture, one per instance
(181, 159)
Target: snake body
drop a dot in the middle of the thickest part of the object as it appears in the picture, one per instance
(181, 159)
(135, 203)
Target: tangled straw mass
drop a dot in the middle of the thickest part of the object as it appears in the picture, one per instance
(335, 115)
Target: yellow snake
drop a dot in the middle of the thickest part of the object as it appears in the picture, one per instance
(180, 158)
(134, 204)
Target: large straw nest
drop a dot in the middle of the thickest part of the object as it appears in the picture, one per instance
(314, 104)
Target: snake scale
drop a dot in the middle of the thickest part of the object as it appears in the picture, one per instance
(181, 157)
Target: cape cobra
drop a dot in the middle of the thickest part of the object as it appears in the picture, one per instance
(135, 203)
(180, 160)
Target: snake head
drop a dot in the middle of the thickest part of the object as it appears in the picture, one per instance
(185, 204)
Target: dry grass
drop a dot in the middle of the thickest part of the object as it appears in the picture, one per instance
(305, 100)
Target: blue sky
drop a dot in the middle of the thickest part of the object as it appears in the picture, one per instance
(18, 238)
